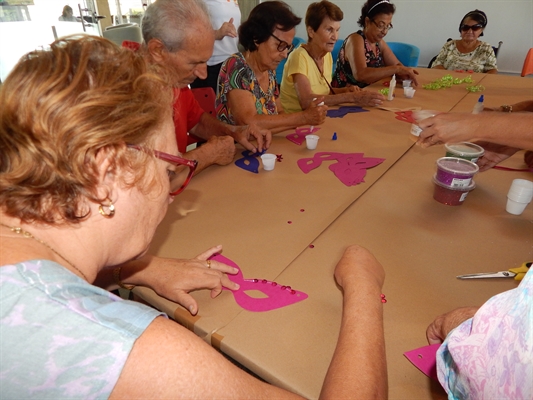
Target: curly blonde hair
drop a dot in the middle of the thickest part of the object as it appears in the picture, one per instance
(58, 108)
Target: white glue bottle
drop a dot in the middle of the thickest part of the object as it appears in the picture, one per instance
(392, 86)
(479, 106)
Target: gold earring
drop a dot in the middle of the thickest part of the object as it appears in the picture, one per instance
(111, 207)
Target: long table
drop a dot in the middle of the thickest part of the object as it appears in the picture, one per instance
(267, 222)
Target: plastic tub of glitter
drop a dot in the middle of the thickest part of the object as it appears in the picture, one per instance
(451, 196)
(466, 150)
(455, 172)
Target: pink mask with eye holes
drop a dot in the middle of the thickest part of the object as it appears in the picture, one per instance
(278, 295)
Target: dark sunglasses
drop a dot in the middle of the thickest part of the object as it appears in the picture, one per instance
(475, 28)
(283, 45)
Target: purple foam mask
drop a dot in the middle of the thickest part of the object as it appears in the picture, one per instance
(425, 359)
(298, 137)
(249, 162)
(278, 295)
(350, 168)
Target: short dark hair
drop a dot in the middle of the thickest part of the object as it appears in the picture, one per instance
(477, 15)
(316, 12)
(263, 19)
(371, 8)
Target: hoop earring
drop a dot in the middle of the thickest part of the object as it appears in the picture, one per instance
(111, 207)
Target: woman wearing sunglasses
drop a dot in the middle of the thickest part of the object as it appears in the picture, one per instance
(247, 88)
(468, 53)
(365, 57)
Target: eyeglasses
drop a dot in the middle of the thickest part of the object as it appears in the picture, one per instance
(475, 28)
(382, 27)
(283, 45)
(180, 178)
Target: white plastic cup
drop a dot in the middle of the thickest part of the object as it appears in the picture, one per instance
(311, 141)
(419, 115)
(519, 196)
(406, 83)
(269, 161)
(514, 207)
(409, 92)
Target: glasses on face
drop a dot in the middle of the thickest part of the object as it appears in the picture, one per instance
(178, 178)
(382, 27)
(475, 28)
(283, 45)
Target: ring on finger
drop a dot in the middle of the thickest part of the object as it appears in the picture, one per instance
(208, 263)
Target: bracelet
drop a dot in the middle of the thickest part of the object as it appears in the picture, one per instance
(116, 278)
(507, 108)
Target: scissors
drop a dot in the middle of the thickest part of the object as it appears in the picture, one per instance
(516, 273)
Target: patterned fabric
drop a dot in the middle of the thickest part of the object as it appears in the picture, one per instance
(343, 72)
(482, 59)
(300, 62)
(60, 336)
(491, 355)
(237, 74)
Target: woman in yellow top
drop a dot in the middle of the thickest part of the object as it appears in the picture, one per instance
(307, 73)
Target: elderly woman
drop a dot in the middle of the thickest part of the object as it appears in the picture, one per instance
(88, 167)
(365, 57)
(247, 88)
(307, 73)
(468, 53)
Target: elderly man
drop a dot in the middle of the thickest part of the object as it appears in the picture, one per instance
(179, 37)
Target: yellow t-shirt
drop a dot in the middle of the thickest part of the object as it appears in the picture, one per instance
(299, 62)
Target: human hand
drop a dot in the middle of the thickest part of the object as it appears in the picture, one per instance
(445, 323)
(243, 135)
(351, 88)
(408, 73)
(316, 114)
(174, 279)
(446, 128)
(356, 264)
(494, 154)
(368, 98)
(221, 149)
(227, 29)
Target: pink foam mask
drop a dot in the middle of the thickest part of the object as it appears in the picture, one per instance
(350, 168)
(425, 359)
(277, 295)
(298, 137)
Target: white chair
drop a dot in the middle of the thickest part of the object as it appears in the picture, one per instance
(118, 33)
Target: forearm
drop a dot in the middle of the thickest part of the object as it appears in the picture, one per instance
(358, 368)
(371, 75)
(209, 126)
(275, 123)
(133, 272)
(514, 130)
(205, 155)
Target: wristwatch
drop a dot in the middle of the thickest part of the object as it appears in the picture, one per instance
(506, 108)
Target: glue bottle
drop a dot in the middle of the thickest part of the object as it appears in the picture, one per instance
(392, 86)
(479, 106)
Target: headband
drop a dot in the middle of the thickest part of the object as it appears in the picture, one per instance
(476, 13)
(377, 4)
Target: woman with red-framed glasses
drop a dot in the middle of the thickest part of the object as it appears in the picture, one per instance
(468, 53)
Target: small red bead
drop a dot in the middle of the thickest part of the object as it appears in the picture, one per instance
(289, 222)
(383, 300)
(312, 246)
(302, 210)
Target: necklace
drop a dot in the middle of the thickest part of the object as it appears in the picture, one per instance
(28, 235)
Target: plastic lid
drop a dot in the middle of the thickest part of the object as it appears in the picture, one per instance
(465, 149)
(481, 98)
(457, 165)
(468, 188)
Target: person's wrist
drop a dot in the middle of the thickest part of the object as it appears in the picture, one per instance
(118, 281)
(506, 108)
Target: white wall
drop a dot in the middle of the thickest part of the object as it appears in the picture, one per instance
(429, 23)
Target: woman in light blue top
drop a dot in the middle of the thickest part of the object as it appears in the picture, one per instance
(88, 167)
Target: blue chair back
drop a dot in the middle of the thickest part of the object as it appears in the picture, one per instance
(279, 70)
(408, 54)
(335, 52)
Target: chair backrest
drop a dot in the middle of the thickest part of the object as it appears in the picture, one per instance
(335, 52)
(279, 70)
(527, 69)
(406, 53)
(434, 58)
(497, 49)
(205, 96)
(118, 33)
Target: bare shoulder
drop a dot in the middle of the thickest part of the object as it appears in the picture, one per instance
(168, 361)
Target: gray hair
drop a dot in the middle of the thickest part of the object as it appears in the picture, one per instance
(171, 20)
